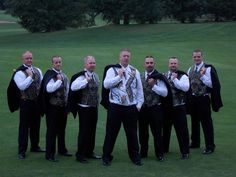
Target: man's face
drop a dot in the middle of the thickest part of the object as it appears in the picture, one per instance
(27, 59)
(90, 64)
(57, 63)
(124, 58)
(173, 65)
(197, 58)
(149, 64)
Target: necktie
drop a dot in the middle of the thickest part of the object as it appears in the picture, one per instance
(147, 76)
(196, 69)
(169, 77)
(124, 74)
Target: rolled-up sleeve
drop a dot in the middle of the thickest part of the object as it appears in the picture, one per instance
(22, 81)
(160, 88)
(111, 80)
(182, 83)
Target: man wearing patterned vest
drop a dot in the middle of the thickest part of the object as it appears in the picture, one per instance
(53, 94)
(23, 93)
(126, 99)
(205, 92)
(151, 113)
(86, 83)
(175, 114)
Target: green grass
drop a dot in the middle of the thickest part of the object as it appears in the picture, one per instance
(217, 40)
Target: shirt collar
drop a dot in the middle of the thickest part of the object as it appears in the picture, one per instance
(56, 71)
(88, 72)
(30, 67)
(199, 66)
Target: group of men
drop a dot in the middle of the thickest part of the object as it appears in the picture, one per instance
(136, 100)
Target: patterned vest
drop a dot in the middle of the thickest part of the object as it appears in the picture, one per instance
(128, 85)
(89, 95)
(197, 86)
(150, 97)
(178, 96)
(32, 92)
(59, 97)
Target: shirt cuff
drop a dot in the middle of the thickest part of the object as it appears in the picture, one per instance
(139, 105)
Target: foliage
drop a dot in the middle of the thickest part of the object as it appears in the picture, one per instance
(46, 15)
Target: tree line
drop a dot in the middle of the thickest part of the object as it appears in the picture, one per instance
(53, 15)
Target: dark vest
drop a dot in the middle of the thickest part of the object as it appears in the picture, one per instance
(32, 92)
(150, 97)
(89, 95)
(58, 98)
(198, 88)
(178, 96)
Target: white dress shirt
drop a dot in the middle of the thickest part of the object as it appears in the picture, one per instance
(116, 92)
(81, 82)
(160, 87)
(182, 83)
(22, 81)
(206, 78)
(53, 85)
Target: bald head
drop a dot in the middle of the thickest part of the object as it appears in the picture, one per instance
(89, 63)
(27, 58)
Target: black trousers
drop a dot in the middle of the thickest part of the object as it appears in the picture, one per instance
(201, 113)
(153, 117)
(176, 116)
(56, 119)
(29, 125)
(88, 117)
(128, 115)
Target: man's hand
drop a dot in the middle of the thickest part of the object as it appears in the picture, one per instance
(29, 72)
(121, 72)
(151, 82)
(203, 71)
(59, 77)
(174, 75)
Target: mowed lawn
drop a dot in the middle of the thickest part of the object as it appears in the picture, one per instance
(217, 40)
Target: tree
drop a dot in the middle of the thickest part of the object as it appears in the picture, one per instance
(149, 11)
(92, 9)
(222, 9)
(46, 15)
(185, 10)
(2, 4)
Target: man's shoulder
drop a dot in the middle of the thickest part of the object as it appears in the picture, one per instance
(37, 68)
(75, 76)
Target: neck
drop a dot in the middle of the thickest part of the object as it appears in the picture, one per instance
(173, 70)
(27, 65)
(149, 71)
(124, 65)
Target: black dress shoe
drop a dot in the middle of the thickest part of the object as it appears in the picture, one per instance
(138, 163)
(94, 156)
(81, 160)
(185, 156)
(160, 158)
(52, 159)
(106, 162)
(65, 154)
(21, 156)
(37, 150)
(207, 151)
